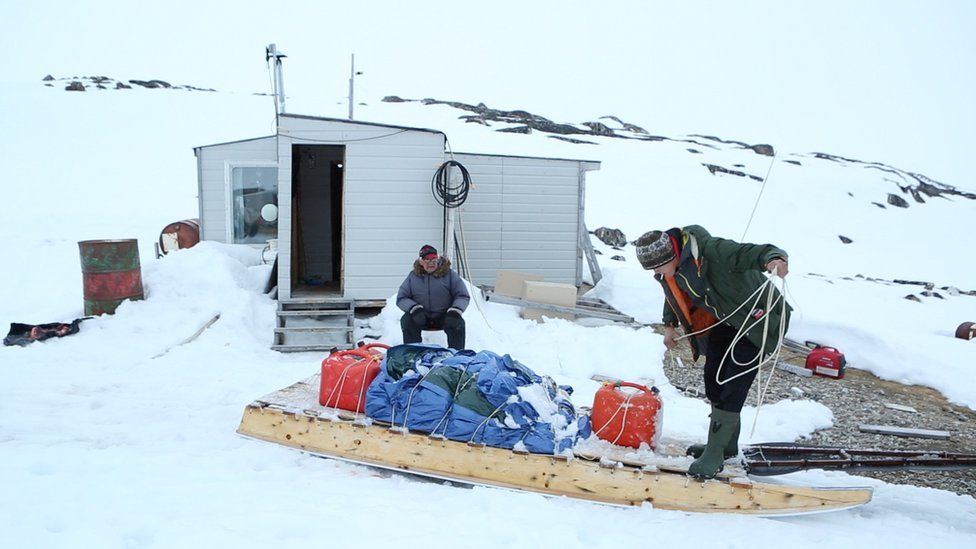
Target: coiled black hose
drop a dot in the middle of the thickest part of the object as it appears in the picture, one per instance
(447, 195)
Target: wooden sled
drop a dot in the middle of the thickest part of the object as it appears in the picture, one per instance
(292, 417)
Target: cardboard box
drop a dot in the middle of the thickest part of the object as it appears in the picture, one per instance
(553, 293)
(512, 283)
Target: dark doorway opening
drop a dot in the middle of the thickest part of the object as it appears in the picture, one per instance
(316, 243)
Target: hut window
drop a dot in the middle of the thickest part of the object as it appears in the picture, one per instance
(253, 189)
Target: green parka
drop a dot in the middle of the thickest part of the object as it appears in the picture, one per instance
(718, 275)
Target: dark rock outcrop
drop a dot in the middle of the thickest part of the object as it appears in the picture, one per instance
(714, 169)
(75, 86)
(151, 84)
(611, 237)
(896, 200)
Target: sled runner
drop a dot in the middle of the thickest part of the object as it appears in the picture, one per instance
(293, 417)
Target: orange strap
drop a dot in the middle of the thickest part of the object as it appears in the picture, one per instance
(698, 318)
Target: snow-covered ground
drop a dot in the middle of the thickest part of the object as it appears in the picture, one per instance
(121, 437)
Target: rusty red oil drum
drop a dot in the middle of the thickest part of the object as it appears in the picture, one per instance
(179, 235)
(110, 273)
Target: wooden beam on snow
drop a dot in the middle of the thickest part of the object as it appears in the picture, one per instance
(903, 431)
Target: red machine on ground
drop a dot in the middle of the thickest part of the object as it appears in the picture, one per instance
(826, 362)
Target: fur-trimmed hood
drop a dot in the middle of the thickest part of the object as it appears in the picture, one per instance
(443, 267)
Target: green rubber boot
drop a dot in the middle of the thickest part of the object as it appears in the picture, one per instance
(720, 431)
(731, 449)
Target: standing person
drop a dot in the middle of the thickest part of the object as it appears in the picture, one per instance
(432, 297)
(705, 279)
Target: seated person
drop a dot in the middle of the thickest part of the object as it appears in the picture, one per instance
(432, 297)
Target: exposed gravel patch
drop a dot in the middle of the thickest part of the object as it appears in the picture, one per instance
(856, 399)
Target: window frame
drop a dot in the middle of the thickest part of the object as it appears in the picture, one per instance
(229, 194)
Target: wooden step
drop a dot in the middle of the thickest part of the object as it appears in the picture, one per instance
(330, 325)
(323, 329)
(317, 300)
(304, 348)
(316, 312)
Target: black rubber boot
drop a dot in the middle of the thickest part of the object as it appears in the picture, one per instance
(731, 449)
(720, 431)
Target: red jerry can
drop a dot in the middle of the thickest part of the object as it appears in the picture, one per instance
(826, 362)
(347, 374)
(627, 418)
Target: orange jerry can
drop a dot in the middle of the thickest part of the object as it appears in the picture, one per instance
(347, 374)
(627, 417)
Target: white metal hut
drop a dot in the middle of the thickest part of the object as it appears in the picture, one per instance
(354, 204)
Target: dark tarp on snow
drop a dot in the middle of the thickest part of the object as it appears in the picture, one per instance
(471, 397)
(25, 334)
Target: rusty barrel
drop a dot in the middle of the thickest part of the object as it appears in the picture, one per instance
(179, 235)
(111, 274)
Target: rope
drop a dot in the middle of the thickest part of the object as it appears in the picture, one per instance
(625, 406)
(756, 205)
(406, 413)
(362, 387)
(463, 254)
(457, 391)
(485, 422)
(773, 356)
(338, 387)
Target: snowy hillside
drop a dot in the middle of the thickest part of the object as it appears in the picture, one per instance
(118, 435)
(840, 290)
(122, 436)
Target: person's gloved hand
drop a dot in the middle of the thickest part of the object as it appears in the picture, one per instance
(452, 318)
(418, 315)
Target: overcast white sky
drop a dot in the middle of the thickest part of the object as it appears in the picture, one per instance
(890, 81)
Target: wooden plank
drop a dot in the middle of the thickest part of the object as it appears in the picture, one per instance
(292, 418)
(304, 348)
(311, 329)
(583, 311)
(903, 431)
(195, 335)
(600, 378)
(900, 407)
(590, 255)
(315, 312)
(798, 370)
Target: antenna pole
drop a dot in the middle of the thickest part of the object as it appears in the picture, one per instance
(352, 78)
(279, 83)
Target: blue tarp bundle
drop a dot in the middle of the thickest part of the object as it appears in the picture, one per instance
(472, 397)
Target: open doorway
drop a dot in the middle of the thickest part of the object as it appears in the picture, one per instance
(316, 244)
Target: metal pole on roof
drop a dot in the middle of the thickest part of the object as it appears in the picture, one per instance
(279, 83)
(352, 79)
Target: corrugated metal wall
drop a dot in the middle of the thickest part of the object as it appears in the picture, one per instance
(213, 163)
(388, 209)
(523, 214)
